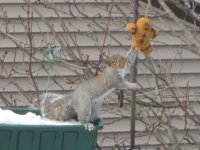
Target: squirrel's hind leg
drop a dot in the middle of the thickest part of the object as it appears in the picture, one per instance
(89, 126)
(83, 107)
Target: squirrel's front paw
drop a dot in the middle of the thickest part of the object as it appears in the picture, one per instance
(137, 86)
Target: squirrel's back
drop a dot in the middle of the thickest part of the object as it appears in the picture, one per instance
(98, 85)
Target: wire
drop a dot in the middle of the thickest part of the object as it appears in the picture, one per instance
(146, 12)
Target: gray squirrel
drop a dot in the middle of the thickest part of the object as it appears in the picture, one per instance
(85, 102)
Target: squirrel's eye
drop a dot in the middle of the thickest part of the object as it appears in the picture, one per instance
(113, 62)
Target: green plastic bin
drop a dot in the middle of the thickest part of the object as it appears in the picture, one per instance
(46, 137)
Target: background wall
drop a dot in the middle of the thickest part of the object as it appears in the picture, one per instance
(88, 31)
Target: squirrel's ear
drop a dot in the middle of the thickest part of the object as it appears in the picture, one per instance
(122, 64)
(107, 62)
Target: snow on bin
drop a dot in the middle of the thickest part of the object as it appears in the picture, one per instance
(35, 133)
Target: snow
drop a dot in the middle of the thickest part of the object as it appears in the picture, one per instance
(9, 117)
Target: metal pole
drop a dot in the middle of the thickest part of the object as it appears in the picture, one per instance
(134, 4)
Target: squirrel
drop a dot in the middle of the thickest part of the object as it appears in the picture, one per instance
(85, 102)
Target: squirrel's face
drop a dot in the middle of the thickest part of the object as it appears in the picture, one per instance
(115, 61)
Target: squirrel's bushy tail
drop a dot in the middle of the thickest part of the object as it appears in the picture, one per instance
(56, 106)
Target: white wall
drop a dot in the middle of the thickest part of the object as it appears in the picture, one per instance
(169, 52)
